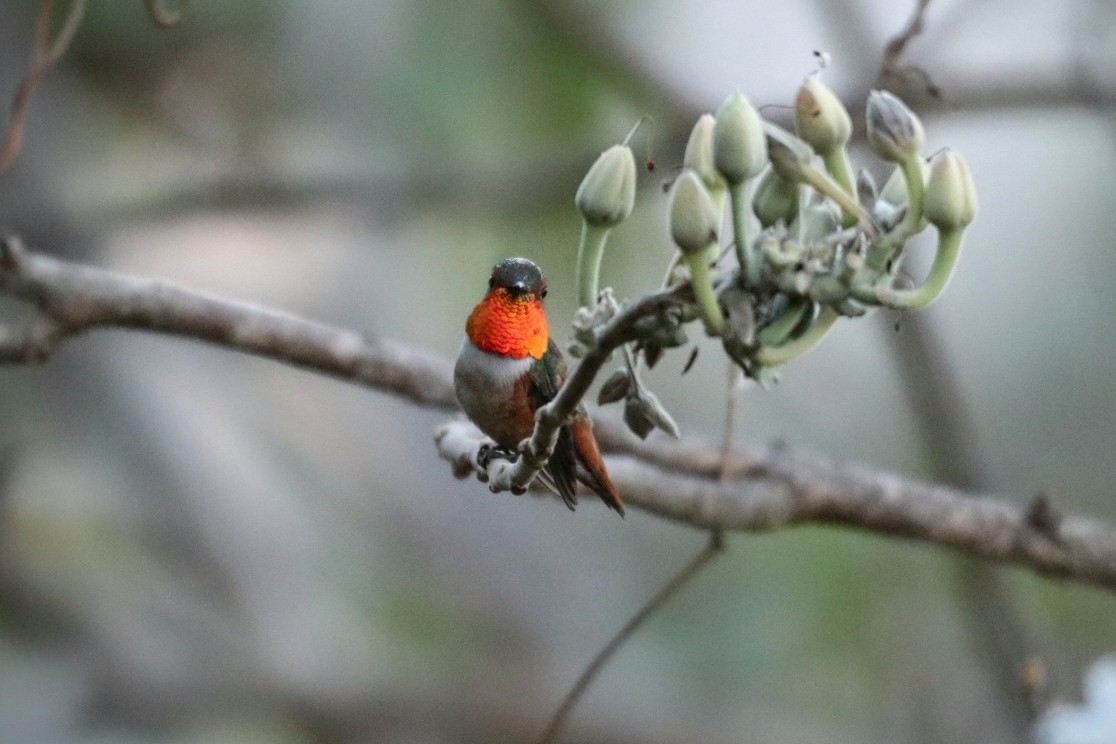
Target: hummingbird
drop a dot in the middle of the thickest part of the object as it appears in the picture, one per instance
(509, 367)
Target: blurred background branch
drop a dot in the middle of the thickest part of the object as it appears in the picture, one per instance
(45, 53)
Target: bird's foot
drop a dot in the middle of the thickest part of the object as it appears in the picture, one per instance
(490, 452)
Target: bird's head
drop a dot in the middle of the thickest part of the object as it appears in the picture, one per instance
(510, 319)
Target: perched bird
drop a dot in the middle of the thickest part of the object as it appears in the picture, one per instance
(508, 367)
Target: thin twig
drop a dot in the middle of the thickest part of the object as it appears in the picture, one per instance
(554, 728)
(893, 52)
(44, 54)
(893, 73)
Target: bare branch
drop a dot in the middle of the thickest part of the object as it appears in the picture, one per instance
(786, 489)
(775, 489)
(74, 298)
(893, 73)
(762, 490)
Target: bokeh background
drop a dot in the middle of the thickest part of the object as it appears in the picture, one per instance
(199, 546)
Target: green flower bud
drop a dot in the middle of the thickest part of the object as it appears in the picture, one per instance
(699, 154)
(820, 118)
(607, 193)
(693, 226)
(693, 219)
(894, 132)
(775, 199)
(951, 200)
(739, 146)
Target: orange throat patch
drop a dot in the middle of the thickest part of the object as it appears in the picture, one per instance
(512, 327)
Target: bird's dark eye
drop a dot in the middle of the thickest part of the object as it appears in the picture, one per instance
(491, 282)
(543, 293)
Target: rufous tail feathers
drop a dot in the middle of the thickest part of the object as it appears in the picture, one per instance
(592, 471)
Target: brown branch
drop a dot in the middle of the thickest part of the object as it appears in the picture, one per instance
(893, 73)
(73, 298)
(791, 489)
(44, 54)
(776, 489)
(763, 490)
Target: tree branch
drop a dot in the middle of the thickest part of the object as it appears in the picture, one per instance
(781, 490)
(73, 298)
(761, 490)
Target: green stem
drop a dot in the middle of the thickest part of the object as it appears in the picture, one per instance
(800, 217)
(776, 332)
(703, 293)
(916, 189)
(772, 356)
(717, 196)
(745, 251)
(949, 248)
(885, 249)
(838, 164)
(589, 252)
(823, 182)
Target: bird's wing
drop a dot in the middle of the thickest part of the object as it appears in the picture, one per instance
(546, 377)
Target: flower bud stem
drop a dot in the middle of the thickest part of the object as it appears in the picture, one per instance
(885, 249)
(770, 356)
(589, 253)
(777, 331)
(745, 251)
(838, 164)
(916, 192)
(949, 248)
(823, 182)
(703, 293)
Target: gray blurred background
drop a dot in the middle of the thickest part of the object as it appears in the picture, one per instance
(199, 546)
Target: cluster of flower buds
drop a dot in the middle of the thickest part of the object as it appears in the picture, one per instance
(811, 242)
